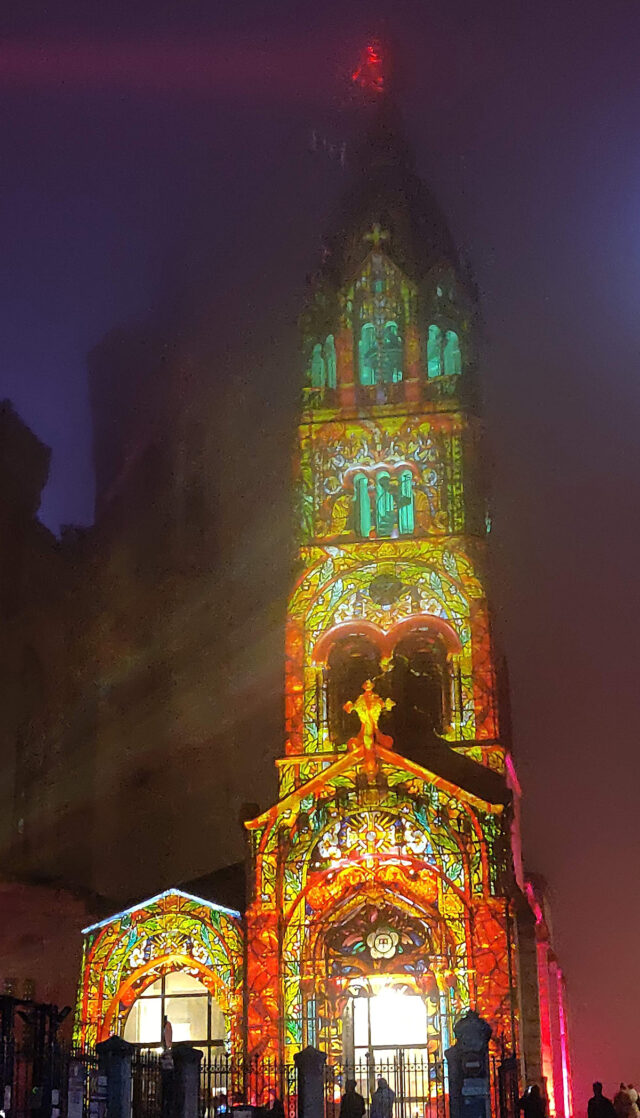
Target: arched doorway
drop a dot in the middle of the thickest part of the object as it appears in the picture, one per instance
(393, 1032)
(193, 1012)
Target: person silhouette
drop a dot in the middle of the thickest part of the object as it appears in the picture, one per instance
(599, 1106)
(382, 1100)
(352, 1104)
(532, 1103)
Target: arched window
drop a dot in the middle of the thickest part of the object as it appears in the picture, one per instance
(317, 367)
(352, 660)
(391, 354)
(367, 354)
(452, 358)
(385, 504)
(330, 361)
(420, 685)
(434, 351)
(362, 505)
(405, 504)
(193, 1013)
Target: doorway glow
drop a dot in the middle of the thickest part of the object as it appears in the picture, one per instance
(390, 1019)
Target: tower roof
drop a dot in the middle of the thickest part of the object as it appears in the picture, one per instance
(385, 190)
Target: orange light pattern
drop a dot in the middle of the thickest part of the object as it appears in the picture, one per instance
(405, 846)
(170, 932)
(437, 579)
(366, 846)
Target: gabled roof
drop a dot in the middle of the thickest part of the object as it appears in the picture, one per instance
(159, 896)
(495, 786)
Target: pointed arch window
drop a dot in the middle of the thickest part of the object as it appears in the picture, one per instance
(194, 1014)
(330, 361)
(385, 504)
(367, 354)
(391, 354)
(362, 503)
(318, 370)
(452, 358)
(434, 351)
(406, 519)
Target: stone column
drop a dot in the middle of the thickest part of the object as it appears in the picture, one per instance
(114, 1061)
(186, 1080)
(310, 1066)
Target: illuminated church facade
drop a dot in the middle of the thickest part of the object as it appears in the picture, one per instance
(386, 893)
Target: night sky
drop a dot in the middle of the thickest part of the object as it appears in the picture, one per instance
(131, 130)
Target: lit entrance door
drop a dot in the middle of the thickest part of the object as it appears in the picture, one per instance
(390, 1031)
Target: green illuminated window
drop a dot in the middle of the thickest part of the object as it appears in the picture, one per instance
(405, 504)
(367, 354)
(362, 505)
(317, 367)
(452, 358)
(385, 504)
(391, 354)
(434, 351)
(330, 361)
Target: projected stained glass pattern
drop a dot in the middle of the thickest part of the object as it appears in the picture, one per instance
(171, 933)
(371, 888)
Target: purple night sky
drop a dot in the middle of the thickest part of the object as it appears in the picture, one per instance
(129, 130)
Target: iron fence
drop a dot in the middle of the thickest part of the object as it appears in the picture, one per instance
(147, 1084)
(418, 1083)
(508, 1083)
(226, 1083)
(58, 1078)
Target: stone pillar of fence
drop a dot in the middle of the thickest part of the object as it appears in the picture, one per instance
(310, 1065)
(114, 1062)
(186, 1080)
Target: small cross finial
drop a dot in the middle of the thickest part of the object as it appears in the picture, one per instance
(376, 235)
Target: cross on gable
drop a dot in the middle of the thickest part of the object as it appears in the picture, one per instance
(376, 235)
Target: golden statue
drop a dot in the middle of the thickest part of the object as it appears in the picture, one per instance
(369, 706)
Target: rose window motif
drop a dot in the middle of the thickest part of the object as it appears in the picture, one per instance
(382, 943)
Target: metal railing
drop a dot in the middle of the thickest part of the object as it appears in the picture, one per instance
(226, 1082)
(418, 1083)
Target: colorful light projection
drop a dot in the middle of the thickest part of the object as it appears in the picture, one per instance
(375, 351)
(127, 953)
(336, 455)
(366, 886)
(385, 586)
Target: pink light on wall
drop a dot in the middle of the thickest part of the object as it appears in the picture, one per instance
(567, 1086)
(545, 1026)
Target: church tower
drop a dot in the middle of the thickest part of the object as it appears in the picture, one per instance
(388, 909)
(388, 896)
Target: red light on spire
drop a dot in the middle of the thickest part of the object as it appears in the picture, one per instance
(369, 74)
